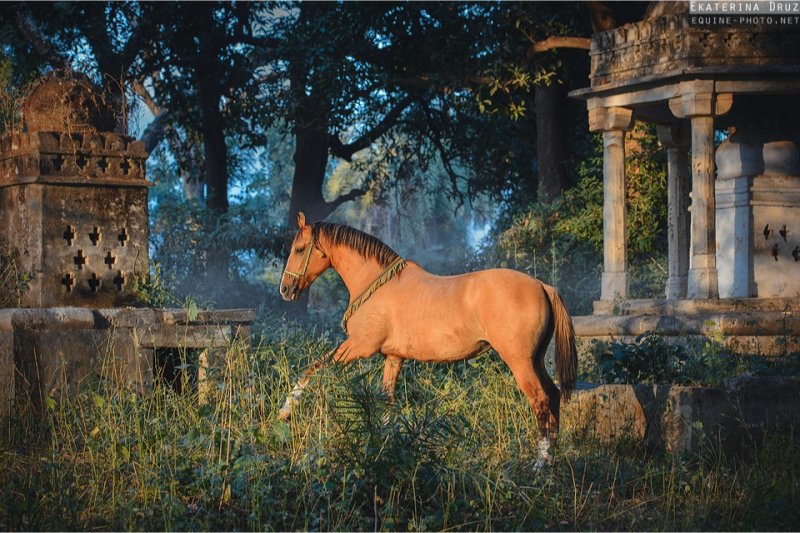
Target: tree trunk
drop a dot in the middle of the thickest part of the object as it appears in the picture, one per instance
(551, 106)
(214, 149)
(310, 162)
(215, 152)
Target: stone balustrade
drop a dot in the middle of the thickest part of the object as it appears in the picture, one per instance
(56, 156)
(669, 44)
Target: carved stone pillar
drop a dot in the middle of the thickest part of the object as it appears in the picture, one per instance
(613, 122)
(675, 139)
(701, 109)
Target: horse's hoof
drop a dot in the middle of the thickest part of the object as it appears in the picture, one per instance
(284, 414)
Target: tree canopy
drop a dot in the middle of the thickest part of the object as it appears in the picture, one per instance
(463, 97)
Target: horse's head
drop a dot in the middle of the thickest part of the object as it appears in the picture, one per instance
(305, 263)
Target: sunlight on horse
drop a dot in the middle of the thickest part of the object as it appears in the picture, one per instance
(401, 311)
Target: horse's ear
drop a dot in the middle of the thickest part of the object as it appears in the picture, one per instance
(301, 220)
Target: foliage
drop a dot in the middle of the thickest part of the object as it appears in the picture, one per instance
(652, 359)
(454, 453)
(13, 282)
(561, 242)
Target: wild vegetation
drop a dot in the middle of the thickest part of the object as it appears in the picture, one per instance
(454, 453)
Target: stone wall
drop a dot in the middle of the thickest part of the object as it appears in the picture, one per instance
(50, 352)
(768, 326)
(758, 216)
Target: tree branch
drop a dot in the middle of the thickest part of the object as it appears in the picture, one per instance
(36, 38)
(551, 43)
(346, 151)
(339, 200)
(154, 132)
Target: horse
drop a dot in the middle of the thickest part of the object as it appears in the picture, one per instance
(400, 311)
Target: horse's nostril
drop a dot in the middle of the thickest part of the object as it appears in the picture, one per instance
(284, 288)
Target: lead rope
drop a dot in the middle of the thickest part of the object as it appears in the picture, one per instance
(394, 268)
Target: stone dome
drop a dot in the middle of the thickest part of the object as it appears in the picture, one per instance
(68, 103)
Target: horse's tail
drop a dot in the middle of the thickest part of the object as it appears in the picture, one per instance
(566, 354)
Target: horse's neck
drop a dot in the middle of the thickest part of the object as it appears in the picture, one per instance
(356, 271)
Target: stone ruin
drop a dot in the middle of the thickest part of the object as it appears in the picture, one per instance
(73, 203)
(73, 200)
(733, 221)
(733, 210)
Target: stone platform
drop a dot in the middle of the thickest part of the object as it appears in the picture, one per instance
(45, 352)
(764, 326)
(678, 418)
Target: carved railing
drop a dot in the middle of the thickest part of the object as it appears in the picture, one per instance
(55, 156)
(670, 44)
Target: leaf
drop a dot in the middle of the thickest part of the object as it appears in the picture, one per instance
(51, 403)
(226, 495)
(95, 432)
(192, 311)
(99, 402)
(281, 432)
(124, 452)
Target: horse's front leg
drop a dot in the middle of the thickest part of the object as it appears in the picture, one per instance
(391, 370)
(346, 352)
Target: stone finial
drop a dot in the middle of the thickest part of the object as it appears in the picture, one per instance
(68, 103)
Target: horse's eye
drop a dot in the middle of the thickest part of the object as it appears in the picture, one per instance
(299, 249)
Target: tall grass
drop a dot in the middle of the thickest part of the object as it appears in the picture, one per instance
(454, 453)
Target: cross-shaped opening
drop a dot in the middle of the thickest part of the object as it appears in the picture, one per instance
(68, 281)
(729, 39)
(95, 235)
(80, 260)
(119, 280)
(125, 166)
(69, 235)
(102, 164)
(80, 160)
(58, 162)
(94, 282)
(110, 260)
(122, 237)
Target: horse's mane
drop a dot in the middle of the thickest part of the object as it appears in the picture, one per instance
(368, 246)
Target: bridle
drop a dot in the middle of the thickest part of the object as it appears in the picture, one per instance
(306, 259)
(394, 268)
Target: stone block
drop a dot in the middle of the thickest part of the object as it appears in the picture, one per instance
(688, 419)
(618, 412)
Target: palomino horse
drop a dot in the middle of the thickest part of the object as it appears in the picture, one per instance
(403, 312)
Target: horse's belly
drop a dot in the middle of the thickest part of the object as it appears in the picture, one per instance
(440, 346)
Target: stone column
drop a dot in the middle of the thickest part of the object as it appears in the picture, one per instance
(613, 122)
(676, 140)
(737, 164)
(701, 109)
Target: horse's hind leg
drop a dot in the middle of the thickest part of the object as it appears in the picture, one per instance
(521, 366)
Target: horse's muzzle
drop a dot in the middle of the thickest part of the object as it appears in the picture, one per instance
(290, 291)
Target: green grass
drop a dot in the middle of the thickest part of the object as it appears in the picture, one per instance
(455, 453)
